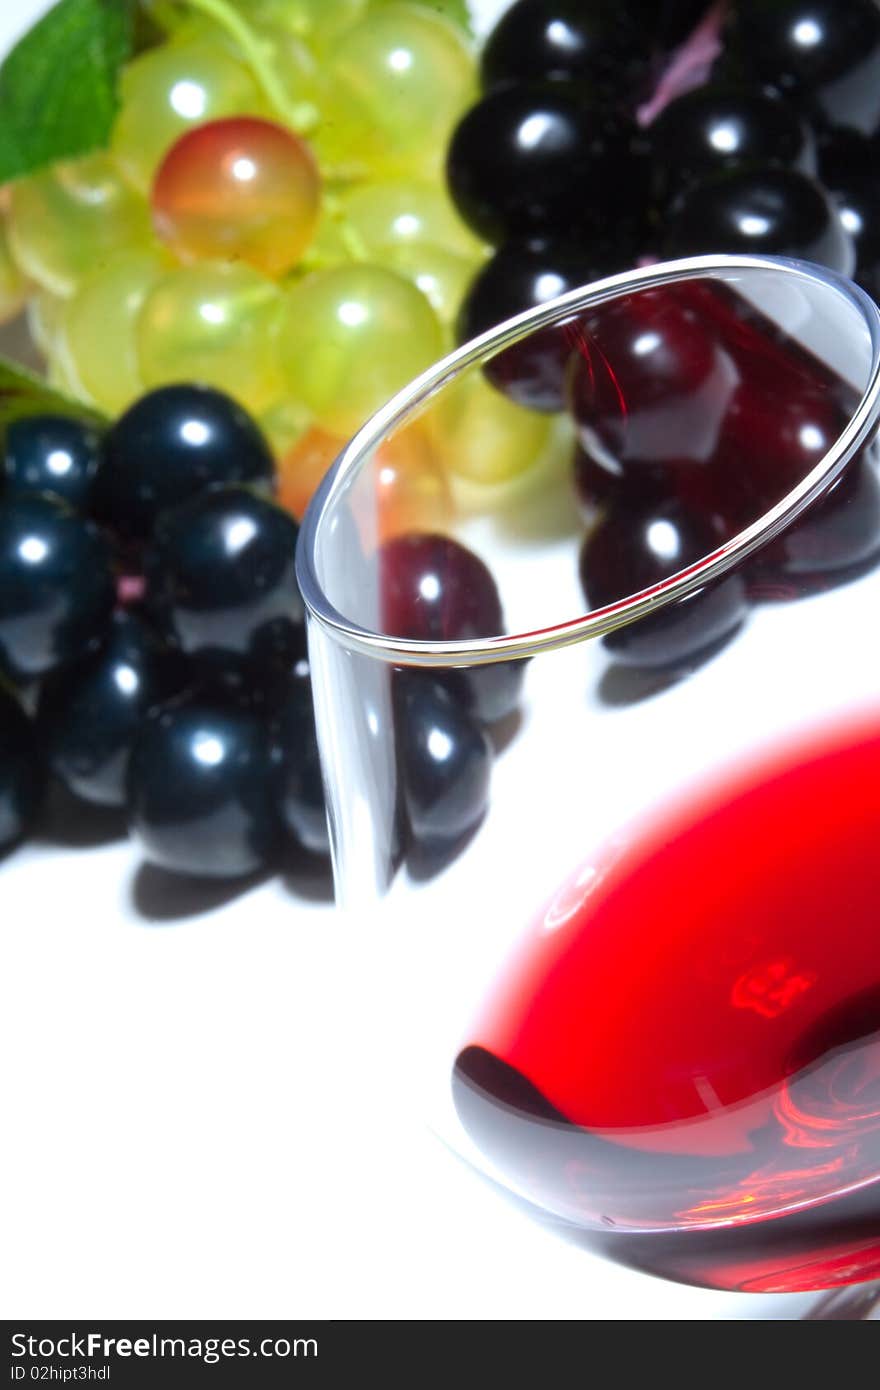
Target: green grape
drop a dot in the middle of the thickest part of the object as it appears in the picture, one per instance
(482, 436)
(398, 80)
(396, 212)
(284, 423)
(214, 322)
(442, 276)
(45, 312)
(320, 22)
(170, 89)
(98, 327)
(65, 222)
(455, 12)
(351, 337)
(13, 289)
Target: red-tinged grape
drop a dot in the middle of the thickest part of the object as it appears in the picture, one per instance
(171, 89)
(411, 488)
(303, 465)
(239, 189)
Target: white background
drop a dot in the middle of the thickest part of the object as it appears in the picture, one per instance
(196, 1121)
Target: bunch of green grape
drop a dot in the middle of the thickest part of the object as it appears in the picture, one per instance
(270, 218)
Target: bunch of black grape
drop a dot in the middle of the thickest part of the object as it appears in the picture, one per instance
(152, 634)
(775, 153)
(152, 646)
(576, 164)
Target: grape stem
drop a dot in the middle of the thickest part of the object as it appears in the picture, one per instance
(349, 236)
(301, 117)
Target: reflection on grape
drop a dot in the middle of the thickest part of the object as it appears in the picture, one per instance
(411, 76)
(99, 327)
(350, 338)
(213, 323)
(170, 89)
(243, 189)
(412, 492)
(482, 436)
(65, 223)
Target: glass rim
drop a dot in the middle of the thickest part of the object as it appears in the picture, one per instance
(359, 452)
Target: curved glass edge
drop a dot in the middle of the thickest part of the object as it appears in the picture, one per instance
(600, 621)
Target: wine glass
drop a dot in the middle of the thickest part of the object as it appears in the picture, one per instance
(600, 733)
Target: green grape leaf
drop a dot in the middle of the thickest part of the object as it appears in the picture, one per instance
(58, 85)
(23, 394)
(458, 11)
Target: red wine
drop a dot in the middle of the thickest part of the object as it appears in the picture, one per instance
(681, 1064)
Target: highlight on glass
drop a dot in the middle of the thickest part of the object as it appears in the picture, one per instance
(600, 727)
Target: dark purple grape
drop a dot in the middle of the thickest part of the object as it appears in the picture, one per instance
(670, 22)
(202, 790)
(649, 385)
(22, 772)
(824, 54)
(57, 587)
(434, 589)
(54, 454)
(772, 436)
(599, 43)
(849, 165)
(717, 127)
(596, 485)
(837, 535)
(295, 747)
(446, 762)
(168, 447)
(220, 576)
(542, 158)
(634, 548)
(520, 276)
(90, 715)
(760, 210)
